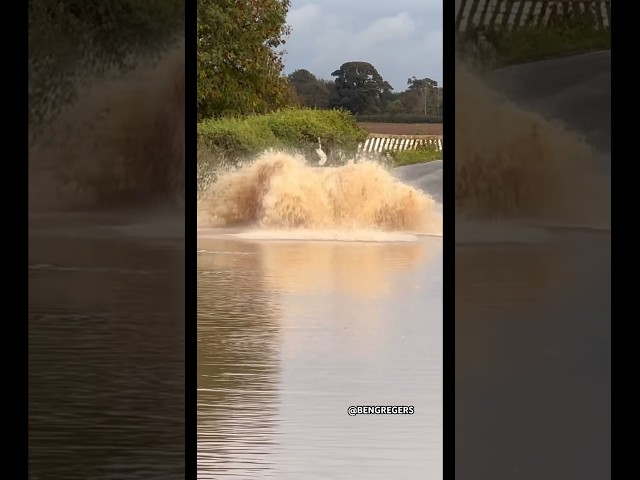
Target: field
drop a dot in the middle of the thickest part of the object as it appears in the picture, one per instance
(402, 128)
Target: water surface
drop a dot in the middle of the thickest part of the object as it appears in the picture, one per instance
(533, 301)
(292, 333)
(106, 346)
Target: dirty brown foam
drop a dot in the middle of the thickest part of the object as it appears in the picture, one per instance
(280, 190)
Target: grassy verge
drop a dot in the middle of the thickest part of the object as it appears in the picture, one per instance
(531, 44)
(410, 157)
(566, 36)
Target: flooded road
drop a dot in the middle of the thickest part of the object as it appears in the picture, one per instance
(292, 333)
(106, 346)
(533, 358)
(296, 325)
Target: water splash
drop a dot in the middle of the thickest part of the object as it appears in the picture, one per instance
(512, 163)
(120, 144)
(280, 191)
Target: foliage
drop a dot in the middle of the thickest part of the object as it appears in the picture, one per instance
(310, 90)
(422, 97)
(419, 84)
(223, 143)
(66, 36)
(239, 66)
(395, 107)
(409, 157)
(292, 129)
(568, 34)
(398, 118)
(359, 88)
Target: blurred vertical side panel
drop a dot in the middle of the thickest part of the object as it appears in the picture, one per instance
(533, 240)
(106, 239)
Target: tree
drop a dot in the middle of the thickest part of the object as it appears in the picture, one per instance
(421, 83)
(423, 95)
(359, 88)
(67, 37)
(291, 97)
(239, 68)
(311, 91)
(394, 107)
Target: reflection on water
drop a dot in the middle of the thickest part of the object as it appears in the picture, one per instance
(533, 359)
(106, 354)
(290, 334)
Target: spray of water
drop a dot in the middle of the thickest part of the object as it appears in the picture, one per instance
(281, 191)
(512, 163)
(121, 143)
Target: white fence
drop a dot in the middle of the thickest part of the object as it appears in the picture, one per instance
(377, 143)
(518, 13)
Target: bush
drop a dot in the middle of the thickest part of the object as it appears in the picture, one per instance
(570, 33)
(233, 138)
(290, 129)
(68, 39)
(409, 157)
(223, 143)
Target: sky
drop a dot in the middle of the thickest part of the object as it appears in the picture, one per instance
(400, 38)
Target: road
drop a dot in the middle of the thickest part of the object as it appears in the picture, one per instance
(576, 90)
(426, 176)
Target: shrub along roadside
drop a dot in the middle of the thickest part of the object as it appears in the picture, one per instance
(568, 34)
(225, 142)
(291, 129)
(420, 155)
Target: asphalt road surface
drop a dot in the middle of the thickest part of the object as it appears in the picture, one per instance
(425, 176)
(576, 90)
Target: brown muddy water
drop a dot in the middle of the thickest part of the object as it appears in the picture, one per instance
(292, 333)
(106, 346)
(533, 357)
(332, 299)
(106, 286)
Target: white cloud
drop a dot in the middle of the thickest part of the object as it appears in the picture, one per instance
(401, 38)
(394, 29)
(305, 18)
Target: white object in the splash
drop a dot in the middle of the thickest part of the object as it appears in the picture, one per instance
(321, 154)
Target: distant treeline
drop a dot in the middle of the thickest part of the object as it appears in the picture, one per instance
(359, 88)
(398, 118)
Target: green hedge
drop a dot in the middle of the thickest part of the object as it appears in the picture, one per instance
(290, 129)
(570, 33)
(398, 118)
(409, 157)
(225, 142)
